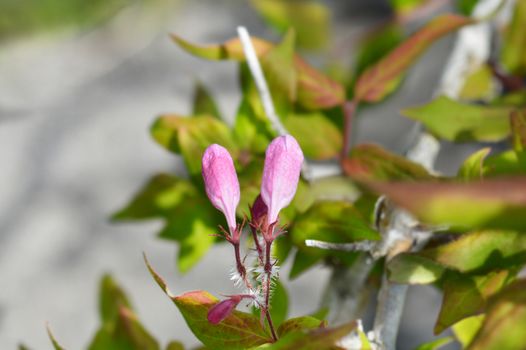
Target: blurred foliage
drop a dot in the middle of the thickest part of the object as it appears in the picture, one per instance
(479, 247)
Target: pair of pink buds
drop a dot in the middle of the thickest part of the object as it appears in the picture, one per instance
(283, 160)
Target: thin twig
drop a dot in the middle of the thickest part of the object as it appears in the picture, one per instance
(362, 246)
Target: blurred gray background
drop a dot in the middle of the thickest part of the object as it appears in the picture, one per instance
(75, 108)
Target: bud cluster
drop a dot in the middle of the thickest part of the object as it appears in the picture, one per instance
(281, 172)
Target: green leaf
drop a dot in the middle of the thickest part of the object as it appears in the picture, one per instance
(404, 7)
(372, 162)
(518, 132)
(506, 164)
(479, 85)
(332, 221)
(514, 98)
(302, 262)
(377, 81)
(175, 345)
(466, 329)
(121, 329)
(320, 339)
(435, 344)
(475, 252)
(156, 199)
(466, 296)
(280, 72)
(111, 299)
(279, 304)
(318, 137)
(310, 19)
(414, 269)
(203, 103)
(505, 321)
(492, 203)
(513, 54)
(473, 167)
(231, 49)
(466, 6)
(54, 341)
(238, 331)
(299, 324)
(455, 121)
(191, 136)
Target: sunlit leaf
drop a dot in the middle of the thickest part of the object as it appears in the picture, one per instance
(318, 137)
(377, 81)
(506, 163)
(435, 344)
(473, 167)
(372, 162)
(320, 339)
(477, 252)
(403, 7)
(231, 49)
(191, 136)
(466, 329)
(505, 321)
(513, 54)
(492, 203)
(310, 19)
(455, 121)
(479, 85)
(299, 324)
(175, 345)
(466, 296)
(238, 331)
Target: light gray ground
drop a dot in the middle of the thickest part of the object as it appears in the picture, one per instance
(74, 144)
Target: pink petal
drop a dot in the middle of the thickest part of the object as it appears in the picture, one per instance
(281, 174)
(221, 184)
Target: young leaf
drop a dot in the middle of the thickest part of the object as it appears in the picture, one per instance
(203, 103)
(476, 252)
(310, 19)
(466, 296)
(455, 121)
(191, 136)
(318, 137)
(111, 299)
(435, 344)
(372, 162)
(238, 331)
(513, 54)
(319, 339)
(492, 203)
(505, 321)
(296, 324)
(229, 50)
(376, 82)
(414, 269)
(473, 167)
(466, 329)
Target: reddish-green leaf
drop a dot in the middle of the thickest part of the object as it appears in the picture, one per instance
(460, 122)
(314, 90)
(505, 321)
(376, 82)
(466, 296)
(372, 162)
(492, 203)
(238, 331)
(299, 324)
(203, 103)
(513, 54)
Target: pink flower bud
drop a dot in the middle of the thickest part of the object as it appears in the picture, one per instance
(280, 174)
(221, 184)
(221, 310)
